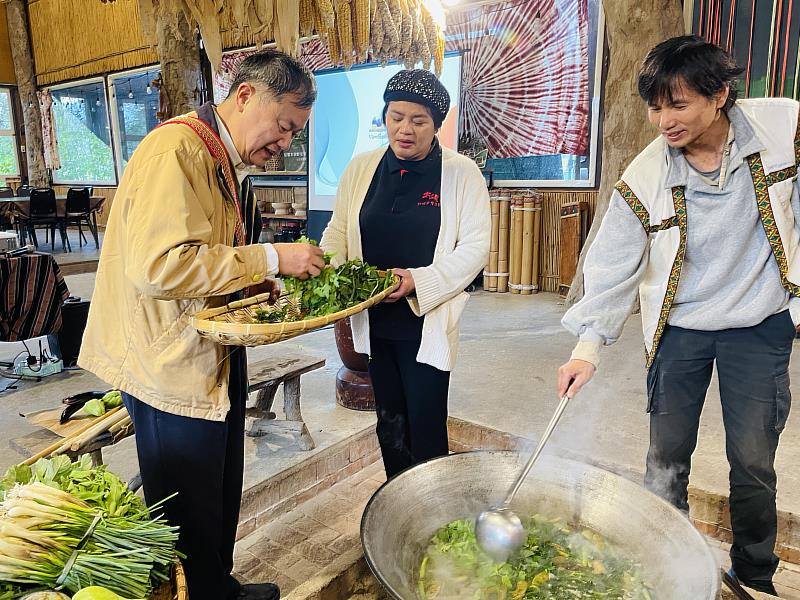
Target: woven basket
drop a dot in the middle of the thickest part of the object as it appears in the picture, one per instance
(275, 163)
(235, 324)
(175, 588)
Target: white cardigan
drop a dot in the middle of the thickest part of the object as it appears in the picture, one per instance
(462, 249)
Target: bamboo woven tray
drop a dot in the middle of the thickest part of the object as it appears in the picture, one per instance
(175, 588)
(235, 324)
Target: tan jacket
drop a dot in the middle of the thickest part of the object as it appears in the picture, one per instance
(167, 253)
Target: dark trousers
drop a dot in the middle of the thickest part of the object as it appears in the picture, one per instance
(411, 403)
(203, 461)
(752, 364)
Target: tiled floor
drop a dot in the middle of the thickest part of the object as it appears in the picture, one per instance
(296, 546)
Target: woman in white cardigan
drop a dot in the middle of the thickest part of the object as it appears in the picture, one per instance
(422, 211)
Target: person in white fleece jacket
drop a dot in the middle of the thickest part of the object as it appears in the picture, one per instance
(703, 227)
(422, 211)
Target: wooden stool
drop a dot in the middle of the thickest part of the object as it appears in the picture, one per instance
(284, 367)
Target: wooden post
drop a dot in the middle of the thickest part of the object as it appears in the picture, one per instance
(516, 243)
(527, 247)
(490, 281)
(537, 235)
(179, 55)
(632, 28)
(502, 245)
(25, 71)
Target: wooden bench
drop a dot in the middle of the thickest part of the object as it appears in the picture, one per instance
(281, 366)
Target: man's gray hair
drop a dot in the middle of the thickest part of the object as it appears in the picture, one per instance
(280, 74)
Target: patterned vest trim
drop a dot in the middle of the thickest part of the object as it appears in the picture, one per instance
(761, 183)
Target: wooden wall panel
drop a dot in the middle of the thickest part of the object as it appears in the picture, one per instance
(550, 253)
(73, 39)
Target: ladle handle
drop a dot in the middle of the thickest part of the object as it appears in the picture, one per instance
(545, 436)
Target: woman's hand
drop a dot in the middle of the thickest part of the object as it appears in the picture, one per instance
(407, 285)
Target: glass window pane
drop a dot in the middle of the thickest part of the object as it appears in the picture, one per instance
(137, 105)
(5, 110)
(84, 143)
(8, 156)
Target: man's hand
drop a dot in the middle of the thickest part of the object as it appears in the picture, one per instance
(406, 286)
(573, 375)
(268, 286)
(299, 260)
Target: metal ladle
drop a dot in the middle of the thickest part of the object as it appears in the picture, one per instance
(499, 531)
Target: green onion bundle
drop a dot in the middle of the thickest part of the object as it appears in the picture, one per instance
(50, 538)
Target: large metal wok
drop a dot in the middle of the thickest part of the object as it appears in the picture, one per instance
(403, 515)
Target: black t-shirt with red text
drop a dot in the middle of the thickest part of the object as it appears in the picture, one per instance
(400, 221)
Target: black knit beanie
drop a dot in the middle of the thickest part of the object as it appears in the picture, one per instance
(422, 87)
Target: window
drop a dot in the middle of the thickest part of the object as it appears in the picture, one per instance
(135, 102)
(8, 141)
(83, 134)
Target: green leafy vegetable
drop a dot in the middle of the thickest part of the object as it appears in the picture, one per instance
(95, 407)
(94, 485)
(555, 562)
(333, 290)
(112, 399)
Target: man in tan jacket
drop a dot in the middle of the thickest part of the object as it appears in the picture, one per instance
(182, 236)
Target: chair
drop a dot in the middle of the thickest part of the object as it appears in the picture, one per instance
(79, 211)
(44, 211)
(24, 190)
(6, 192)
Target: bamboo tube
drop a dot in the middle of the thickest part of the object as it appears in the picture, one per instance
(62, 445)
(490, 281)
(516, 244)
(126, 422)
(55, 446)
(527, 246)
(502, 258)
(537, 233)
(99, 427)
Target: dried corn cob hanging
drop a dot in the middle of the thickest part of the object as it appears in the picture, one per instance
(430, 33)
(396, 14)
(344, 26)
(325, 8)
(376, 31)
(438, 56)
(407, 35)
(334, 49)
(306, 17)
(361, 18)
(391, 40)
(425, 53)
